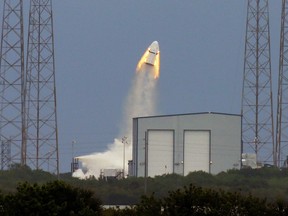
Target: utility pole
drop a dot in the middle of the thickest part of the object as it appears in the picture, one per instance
(124, 142)
(42, 130)
(12, 86)
(282, 99)
(256, 108)
(74, 163)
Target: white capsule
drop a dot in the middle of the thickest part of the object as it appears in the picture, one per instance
(153, 51)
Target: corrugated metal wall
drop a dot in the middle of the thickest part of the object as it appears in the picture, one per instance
(205, 141)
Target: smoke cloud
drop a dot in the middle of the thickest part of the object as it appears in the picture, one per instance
(141, 101)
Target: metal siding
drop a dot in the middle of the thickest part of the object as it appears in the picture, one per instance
(196, 150)
(225, 138)
(160, 152)
(135, 148)
(226, 144)
(140, 159)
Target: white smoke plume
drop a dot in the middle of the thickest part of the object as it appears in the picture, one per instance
(141, 101)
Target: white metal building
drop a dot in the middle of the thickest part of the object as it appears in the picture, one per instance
(183, 143)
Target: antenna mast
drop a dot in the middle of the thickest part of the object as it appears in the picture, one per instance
(256, 108)
(12, 126)
(282, 109)
(42, 131)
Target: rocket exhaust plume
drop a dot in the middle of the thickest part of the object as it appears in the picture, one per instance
(141, 101)
(151, 57)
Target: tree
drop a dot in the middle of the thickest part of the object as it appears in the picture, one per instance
(53, 198)
(149, 205)
(192, 200)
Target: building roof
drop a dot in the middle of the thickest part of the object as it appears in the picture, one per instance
(200, 113)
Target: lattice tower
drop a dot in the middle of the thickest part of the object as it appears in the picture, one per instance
(42, 132)
(257, 108)
(12, 124)
(282, 109)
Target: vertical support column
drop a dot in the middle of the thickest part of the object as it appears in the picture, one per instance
(256, 108)
(282, 99)
(12, 84)
(42, 131)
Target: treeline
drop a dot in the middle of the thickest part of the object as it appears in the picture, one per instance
(60, 198)
(52, 198)
(268, 183)
(264, 183)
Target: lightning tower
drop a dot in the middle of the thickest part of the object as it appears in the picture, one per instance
(256, 108)
(282, 109)
(12, 124)
(42, 132)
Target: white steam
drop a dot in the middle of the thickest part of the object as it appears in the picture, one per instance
(141, 101)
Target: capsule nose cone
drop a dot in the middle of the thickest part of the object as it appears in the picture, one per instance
(155, 43)
(154, 46)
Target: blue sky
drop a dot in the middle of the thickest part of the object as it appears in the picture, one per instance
(98, 44)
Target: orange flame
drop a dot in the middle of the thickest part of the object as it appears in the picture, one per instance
(142, 60)
(156, 64)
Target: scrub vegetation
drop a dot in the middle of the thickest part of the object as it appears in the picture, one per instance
(235, 192)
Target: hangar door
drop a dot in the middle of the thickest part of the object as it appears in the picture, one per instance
(196, 151)
(160, 152)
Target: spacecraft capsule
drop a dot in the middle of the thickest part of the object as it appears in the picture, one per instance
(153, 51)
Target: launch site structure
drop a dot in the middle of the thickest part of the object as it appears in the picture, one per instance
(12, 123)
(31, 137)
(184, 143)
(257, 102)
(282, 99)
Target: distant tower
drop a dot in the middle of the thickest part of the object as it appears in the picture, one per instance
(257, 110)
(42, 132)
(12, 126)
(282, 109)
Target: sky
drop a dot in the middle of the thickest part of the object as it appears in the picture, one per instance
(98, 44)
